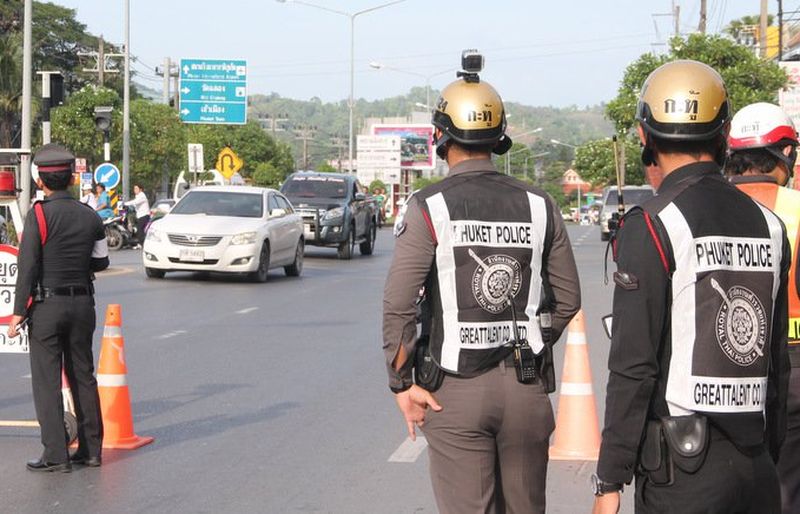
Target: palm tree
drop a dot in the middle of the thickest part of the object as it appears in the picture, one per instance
(737, 28)
(10, 87)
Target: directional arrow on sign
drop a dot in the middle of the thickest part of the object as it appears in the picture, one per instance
(186, 69)
(108, 176)
(186, 90)
(185, 111)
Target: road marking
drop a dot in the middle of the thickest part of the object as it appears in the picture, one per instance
(113, 272)
(409, 451)
(174, 333)
(26, 376)
(247, 310)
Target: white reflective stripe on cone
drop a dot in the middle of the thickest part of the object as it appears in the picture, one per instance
(106, 380)
(579, 389)
(112, 331)
(576, 338)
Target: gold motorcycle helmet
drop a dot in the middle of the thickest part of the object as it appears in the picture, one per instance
(683, 101)
(470, 112)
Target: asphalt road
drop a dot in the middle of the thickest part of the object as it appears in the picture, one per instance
(265, 398)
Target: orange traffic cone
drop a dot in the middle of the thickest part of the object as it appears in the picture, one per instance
(577, 435)
(112, 384)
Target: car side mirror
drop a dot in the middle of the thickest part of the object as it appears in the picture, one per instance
(607, 322)
(277, 212)
(360, 197)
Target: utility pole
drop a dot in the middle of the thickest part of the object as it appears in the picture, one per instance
(176, 84)
(271, 122)
(126, 107)
(101, 62)
(780, 30)
(703, 16)
(27, 87)
(339, 143)
(762, 32)
(52, 95)
(165, 86)
(676, 14)
(305, 134)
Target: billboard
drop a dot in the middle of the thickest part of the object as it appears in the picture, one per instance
(789, 98)
(417, 149)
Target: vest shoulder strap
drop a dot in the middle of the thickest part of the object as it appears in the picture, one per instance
(656, 231)
(41, 221)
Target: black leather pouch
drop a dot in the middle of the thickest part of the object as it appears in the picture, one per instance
(427, 374)
(654, 458)
(687, 439)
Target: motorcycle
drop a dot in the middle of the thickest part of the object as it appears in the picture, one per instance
(121, 229)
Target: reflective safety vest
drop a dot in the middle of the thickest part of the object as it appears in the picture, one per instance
(491, 233)
(785, 203)
(726, 253)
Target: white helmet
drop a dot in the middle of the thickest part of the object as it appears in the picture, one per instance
(760, 125)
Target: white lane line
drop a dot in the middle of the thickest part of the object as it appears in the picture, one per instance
(174, 333)
(247, 310)
(113, 272)
(26, 376)
(409, 451)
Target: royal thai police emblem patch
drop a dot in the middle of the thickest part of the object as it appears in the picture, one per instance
(495, 279)
(741, 325)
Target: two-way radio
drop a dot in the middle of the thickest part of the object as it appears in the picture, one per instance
(524, 358)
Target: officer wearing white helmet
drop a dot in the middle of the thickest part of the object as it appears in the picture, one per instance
(696, 396)
(762, 148)
(500, 285)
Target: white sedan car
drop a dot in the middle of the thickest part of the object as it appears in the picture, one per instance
(228, 229)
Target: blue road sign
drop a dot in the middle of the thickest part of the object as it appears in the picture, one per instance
(107, 174)
(213, 91)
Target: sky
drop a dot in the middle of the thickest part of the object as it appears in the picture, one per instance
(537, 52)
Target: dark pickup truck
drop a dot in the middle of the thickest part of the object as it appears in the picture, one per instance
(336, 211)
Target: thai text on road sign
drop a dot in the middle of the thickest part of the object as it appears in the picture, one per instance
(8, 282)
(213, 91)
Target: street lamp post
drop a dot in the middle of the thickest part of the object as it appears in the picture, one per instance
(514, 136)
(352, 16)
(557, 142)
(380, 66)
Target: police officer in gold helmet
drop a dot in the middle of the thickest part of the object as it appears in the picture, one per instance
(696, 396)
(500, 285)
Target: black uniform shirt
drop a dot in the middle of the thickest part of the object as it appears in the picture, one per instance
(641, 337)
(73, 250)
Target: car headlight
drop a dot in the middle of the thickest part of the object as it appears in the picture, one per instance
(334, 214)
(153, 235)
(245, 238)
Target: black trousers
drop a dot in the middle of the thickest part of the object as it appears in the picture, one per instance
(62, 327)
(728, 482)
(141, 225)
(789, 463)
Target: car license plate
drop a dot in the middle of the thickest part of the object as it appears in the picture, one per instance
(192, 255)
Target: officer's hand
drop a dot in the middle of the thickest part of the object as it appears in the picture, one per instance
(413, 403)
(12, 325)
(606, 504)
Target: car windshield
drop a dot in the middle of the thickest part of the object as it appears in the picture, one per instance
(220, 203)
(630, 196)
(315, 187)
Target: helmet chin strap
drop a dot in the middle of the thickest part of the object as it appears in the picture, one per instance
(441, 145)
(788, 160)
(648, 154)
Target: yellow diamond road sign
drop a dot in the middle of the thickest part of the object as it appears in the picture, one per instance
(228, 162)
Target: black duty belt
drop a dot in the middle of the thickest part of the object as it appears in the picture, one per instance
(48, 292)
